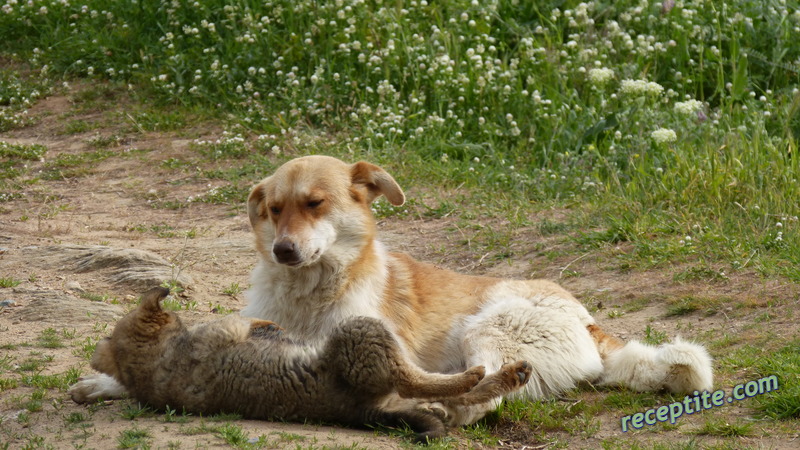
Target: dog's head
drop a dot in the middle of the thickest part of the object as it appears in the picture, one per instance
(132, 343)
(311, 204)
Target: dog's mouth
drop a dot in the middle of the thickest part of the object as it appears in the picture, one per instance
(300, 262)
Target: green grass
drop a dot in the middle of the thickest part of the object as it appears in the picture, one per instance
(725, 428)
(16, 93)
(515, 97)
(158, 120)
(134, 410)
(34, 363)
(784, 403)
(174, 303)
(501, 117)
(60, 381)
(653, 336)
(8, 282)
(171, 415)
(233, 435)
(74, 418)
(8, 383)
(233, 290)
(49, 338)
(94, 297)
(24, 152)
(80, 126)
(702, 272)
(574, 417)
(86, 349)
(687, 305)
(134, 438)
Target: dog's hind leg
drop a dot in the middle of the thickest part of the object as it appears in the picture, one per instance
(549, 332)
(368, 357)
(680, 366)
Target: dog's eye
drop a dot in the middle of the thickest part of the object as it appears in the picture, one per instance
(313, 203)
(274, 210)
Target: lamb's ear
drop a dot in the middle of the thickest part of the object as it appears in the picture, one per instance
(256, 209)
(151, 298)
(377, 182)
(103, 359)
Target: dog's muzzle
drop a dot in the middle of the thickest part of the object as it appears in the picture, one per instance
(286, 252)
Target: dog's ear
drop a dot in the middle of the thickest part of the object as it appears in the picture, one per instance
(377, 181)
(256, 209)
(103, 359)
(151, 298)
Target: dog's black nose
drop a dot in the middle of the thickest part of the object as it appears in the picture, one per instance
(286, 252)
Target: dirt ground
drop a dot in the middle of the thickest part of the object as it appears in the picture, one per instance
(50, 239)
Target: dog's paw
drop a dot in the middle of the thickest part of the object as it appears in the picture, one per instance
(516, 374)
(91, 388)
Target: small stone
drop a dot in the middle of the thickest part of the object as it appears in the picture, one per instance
(74, 286)
(6, 303)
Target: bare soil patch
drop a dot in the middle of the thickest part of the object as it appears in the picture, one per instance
(61, 239)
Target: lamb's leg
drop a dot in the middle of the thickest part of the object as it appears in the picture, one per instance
(264, 329)
(508, 379)
(94, 387)
(426, 425)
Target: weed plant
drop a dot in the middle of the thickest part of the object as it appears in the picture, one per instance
(674, 122)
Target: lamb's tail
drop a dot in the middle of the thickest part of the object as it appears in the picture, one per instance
(681, 366)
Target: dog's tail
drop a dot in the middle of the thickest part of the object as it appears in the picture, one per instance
(680, 366)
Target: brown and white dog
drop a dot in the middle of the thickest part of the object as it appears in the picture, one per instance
(320, 263)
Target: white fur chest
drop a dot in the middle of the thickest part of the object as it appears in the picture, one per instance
(311, 302)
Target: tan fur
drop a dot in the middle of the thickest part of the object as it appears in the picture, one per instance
(360, 376)
(606, 344)
(320, 263)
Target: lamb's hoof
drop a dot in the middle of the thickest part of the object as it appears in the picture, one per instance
(474, 375)
(435, 408)
(80, 391)
(524, 372)
(264, 328)
(95, 387)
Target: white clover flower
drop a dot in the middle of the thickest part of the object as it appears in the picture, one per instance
(664, 136)
(639, 88)
(689, 107)
(600, 76)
